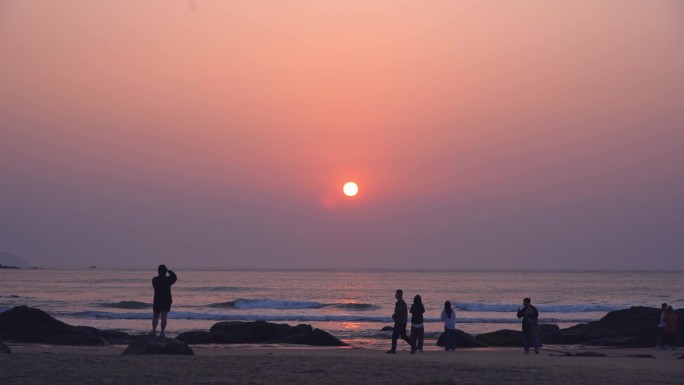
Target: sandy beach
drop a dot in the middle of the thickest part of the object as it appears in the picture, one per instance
(43, 364)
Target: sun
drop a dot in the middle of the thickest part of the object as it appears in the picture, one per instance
(350, 189)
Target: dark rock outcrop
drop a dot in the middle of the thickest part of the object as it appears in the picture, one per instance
(633, 327)
(238, 332)
(156, 345)
(387, 329)
(316, 337)
(4, 348)
(505, 337)
(195, 337)
(26, 324)
(463, 340)
(110, 336)
(512, 338)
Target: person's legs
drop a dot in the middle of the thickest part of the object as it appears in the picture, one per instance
(155, 321)
(661, 337)
(526, 340)
(421, 338)
(164, 315)
(407, 339)
(395, 335)
(414, 335)
(671, 340)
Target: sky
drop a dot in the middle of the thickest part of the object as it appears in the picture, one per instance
(482, 134)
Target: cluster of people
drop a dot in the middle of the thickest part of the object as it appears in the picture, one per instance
(528, 314)
(667, 327)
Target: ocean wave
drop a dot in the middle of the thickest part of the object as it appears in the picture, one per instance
(354, 306)
(550, 308)
(218, 288)
(125, 305)
(247, 304)
(267, 304)
(293, 317)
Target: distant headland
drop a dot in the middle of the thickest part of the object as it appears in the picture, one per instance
(11, 261)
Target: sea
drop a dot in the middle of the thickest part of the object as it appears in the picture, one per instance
(352, 305)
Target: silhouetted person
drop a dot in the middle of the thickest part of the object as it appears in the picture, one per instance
(162, 297)
(448, 316)
(530, 325)
(400, 317)
(661, 327)
(670, 328)
(417, 329)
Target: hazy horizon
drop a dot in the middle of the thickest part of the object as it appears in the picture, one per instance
(482, 135)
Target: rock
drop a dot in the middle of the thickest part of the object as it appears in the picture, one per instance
(110, 336)
(633, 327)
(156, 345)
(512, 338)
(25, 324)
(226, 338)
(463, 340)
(387, 329)
(195, 337)
(570, 336)
(114, 336)
(545, 329)
(317, 337)
(505, 337)
(640, 356)
(4, 348)
(237, 332)
(64, 339)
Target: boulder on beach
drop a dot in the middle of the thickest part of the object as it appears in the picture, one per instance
(239, 332)
(109, 336)
(156, 345)
(504, 337)
(4, 348)
(195, 337)
(26, 324)
(463, 340)
(512, 338)
(633, 327)
(316, 337)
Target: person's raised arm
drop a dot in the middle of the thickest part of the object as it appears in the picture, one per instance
(172, 277)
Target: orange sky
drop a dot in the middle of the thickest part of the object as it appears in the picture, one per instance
(481, 133)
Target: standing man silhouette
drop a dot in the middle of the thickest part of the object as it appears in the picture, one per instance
(162, 298)
(400, 318)
(530, 325)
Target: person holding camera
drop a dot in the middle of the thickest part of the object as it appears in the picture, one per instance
(530, 325)
(162, 298)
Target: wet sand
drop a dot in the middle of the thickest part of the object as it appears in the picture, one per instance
(43, 364)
